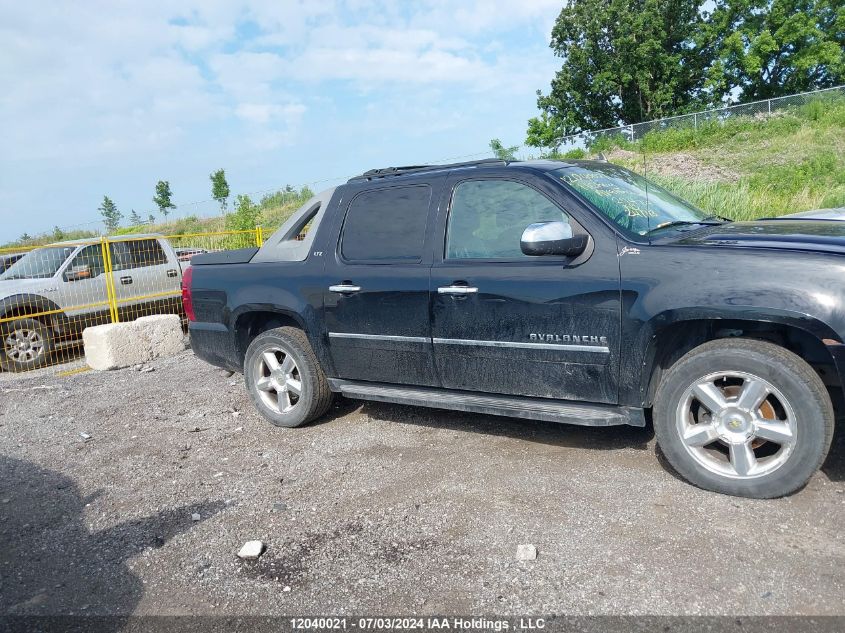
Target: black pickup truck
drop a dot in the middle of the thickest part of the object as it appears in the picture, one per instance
(574, 291)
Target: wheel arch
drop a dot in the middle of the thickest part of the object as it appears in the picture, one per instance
(32, 306)
(249, 323)
(808, 338)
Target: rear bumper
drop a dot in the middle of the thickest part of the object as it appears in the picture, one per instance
(213, 343)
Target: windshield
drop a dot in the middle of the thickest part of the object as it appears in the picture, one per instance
(38, 264)
(632, 202)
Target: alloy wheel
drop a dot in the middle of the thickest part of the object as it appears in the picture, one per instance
(736, 424)
(24, 345)
(277, 380)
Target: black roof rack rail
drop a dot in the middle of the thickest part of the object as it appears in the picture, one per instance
(384, 172)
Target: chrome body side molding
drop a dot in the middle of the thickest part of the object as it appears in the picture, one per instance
(565, 347)
(381, 337)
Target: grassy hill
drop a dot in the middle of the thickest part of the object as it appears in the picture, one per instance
(747, 167)
(269, 213)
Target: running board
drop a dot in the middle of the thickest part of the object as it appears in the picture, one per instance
(584, 414)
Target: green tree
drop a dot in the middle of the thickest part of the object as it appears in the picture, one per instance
(111, 215)
(245, 216)
(58, 234)
(501, 152)
(770, 48)
(151, 219)
(26, 237)
(220, 189)
(625, 61)
(546, 130)
(163, 197)
(134, 218)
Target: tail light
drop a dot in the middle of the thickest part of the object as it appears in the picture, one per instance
(187, 301)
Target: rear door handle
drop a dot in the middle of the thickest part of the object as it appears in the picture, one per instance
(172, 273)
(126, 280)
(456, 290)
(343, 288)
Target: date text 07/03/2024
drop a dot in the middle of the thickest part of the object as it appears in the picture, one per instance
(419, 623)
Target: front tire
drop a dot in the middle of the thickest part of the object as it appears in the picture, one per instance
(25, 344)
(743, 417)
(284, 378)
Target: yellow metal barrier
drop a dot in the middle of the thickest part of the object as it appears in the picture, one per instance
(109, 280)
(57, 290)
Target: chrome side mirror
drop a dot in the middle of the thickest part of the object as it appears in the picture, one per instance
(552, 238)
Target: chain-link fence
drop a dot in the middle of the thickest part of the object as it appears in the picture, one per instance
(755, 109)
(50, 294)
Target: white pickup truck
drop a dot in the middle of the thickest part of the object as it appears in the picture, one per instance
(53, 292)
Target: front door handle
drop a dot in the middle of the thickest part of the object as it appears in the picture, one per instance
(126, 280)
(172, 273)
(344, 288)
(456, 290)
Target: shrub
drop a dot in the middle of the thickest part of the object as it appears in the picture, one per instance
(245, 216)
(607, 142)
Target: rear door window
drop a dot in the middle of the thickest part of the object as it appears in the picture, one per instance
(386, 225)
(119, 253)
(140, 253)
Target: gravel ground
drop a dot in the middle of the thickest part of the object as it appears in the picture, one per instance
(377, 509)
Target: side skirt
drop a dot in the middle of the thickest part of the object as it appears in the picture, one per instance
(564, 411)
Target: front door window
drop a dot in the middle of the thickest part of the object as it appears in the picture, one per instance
(87, 264)
(487, 218)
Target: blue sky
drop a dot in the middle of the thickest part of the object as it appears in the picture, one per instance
(109, 97)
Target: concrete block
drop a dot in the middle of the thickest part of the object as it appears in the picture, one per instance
(117, 345)
(107, 346)
(159, 335)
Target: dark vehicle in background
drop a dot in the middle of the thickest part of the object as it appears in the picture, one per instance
(8, 260)
(571, 291)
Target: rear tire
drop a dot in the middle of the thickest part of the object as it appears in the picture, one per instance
(743, 417)
(284, 378)
(25, 344)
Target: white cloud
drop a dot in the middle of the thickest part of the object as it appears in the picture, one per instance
(100, 77)
(265, 112)
(100, 83)
(95, 81)
(196, 38)
(244, 72)
(370, 54)
(474, 17)
(376, 65)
